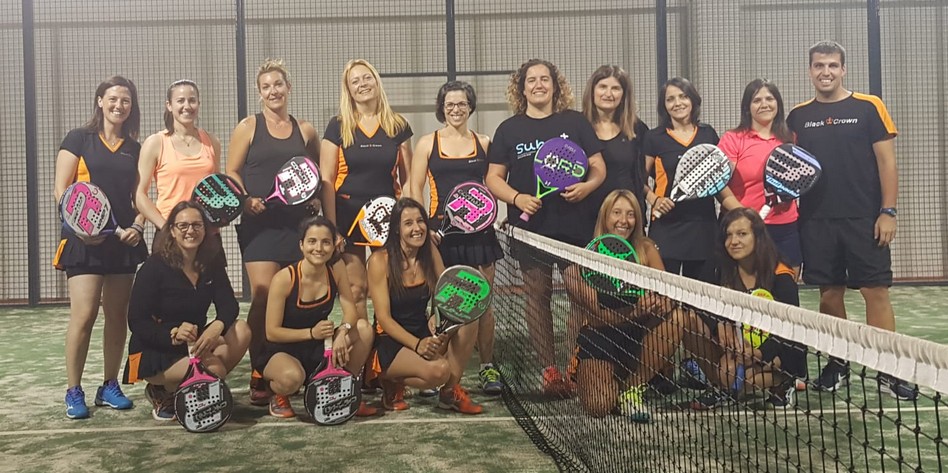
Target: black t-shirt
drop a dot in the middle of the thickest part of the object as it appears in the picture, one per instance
(841, 135)
(515, 143)
(113, 169)
(368, 167)
(785, 287)
(667, 151)
(625, 165)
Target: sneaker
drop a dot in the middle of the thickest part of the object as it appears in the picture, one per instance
(426, 392)
(711, 399)
(393, 396)
(692, 377)
(782, 395)
(663, 386)
(370, 386)
(490, 381)
(632, 404)
(110, 394)
(76, 403)
(800, 384)
(555, 385)
(835, 375)
(162, 402)
(897, 388)
(458, 399)
(259, 396)
(366, 410)
(280, 407)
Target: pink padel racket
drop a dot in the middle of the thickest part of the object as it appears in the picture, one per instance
(85, 210)
(469, 208)
(332, 395)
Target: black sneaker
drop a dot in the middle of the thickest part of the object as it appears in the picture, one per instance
(835, 375)
(897, 388)
(782, 395)
(712, 399)
(662, 386)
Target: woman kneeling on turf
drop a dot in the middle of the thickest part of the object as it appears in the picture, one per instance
(401, 280)
(748, 261)
(168, 310)
(300, 301)
(625, 340)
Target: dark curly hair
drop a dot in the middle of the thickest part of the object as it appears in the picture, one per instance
(209, 252)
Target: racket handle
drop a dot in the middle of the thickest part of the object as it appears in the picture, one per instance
(656, 214)
(119, 231)
(765, 211)
(525, 216)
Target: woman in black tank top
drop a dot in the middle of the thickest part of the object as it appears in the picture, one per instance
(401, 279)
(259, 146)
(298, 309)
(444, 159)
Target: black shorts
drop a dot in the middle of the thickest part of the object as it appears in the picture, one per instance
(792, 356)
(619, 344)
(387, 348)
(787, 239)
(844, 252)
(309, 353)
(147, 363)
(272, 235)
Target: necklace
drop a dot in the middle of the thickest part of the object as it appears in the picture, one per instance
(183, 140)
(111, 143)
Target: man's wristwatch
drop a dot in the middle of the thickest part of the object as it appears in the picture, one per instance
(890, 211)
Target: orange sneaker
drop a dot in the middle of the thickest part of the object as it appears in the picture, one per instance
(258, 390)
(366, 411)
(458, 399)
(280, 407)
(555, 385)
(393, 396)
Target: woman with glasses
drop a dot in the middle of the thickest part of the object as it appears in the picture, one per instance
(168, 311)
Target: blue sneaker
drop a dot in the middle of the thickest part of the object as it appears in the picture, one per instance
(691, 376)
(110, 394)
(162, 402)
(76, 403)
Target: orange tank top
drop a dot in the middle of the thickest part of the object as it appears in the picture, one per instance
(176, 175)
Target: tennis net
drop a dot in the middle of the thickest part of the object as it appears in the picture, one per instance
(709, 403)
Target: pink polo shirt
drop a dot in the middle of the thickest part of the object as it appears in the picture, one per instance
(749, 152)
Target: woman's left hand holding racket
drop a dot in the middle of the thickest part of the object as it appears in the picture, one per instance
(208, 341)
(254, 206)
(577, 192)
(527, 203)
(130, 236)
(340, 350)
(185, 333)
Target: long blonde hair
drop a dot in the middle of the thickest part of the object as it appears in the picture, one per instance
(638, 238)
(391, 122)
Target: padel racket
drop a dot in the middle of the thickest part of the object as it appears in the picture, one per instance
(332, 395)
(462, 296)
(790, 172)
(85, 210)
(558, 164)
(702, 171)
(373, 221)
(469, 208)
(203, 402)
(617, 247)
(755, 336)
(221, 197)
(295, 183)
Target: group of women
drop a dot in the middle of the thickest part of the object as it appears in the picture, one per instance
(298, 261)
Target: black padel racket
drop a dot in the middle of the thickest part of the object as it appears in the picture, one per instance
(85, 210)
(332, 395)
(702, 171)
(295, 183)
(462, 296)
(617, 247)
(469, 208)
(203, 402)
(558, 164)
(221, 197)
(789, 173)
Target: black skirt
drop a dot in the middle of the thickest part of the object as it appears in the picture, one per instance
(110, 257)
(272, 235)
(308, 353)
(475, 249)
(148, 363)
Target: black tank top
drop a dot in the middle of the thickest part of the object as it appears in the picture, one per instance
(410, 310)
(306, 314)
(265, 157)
(446, 172)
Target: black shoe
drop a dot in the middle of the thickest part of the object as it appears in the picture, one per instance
(711, 399)
(835, 375)
(663, 386)
(691, 376)
(897, 388)
(782, 395)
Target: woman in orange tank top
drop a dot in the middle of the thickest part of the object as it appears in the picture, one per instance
(177, 157)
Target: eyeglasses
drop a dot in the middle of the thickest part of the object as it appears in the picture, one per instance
(462, 106)
(184, 226)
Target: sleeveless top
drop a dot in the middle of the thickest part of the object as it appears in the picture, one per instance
(446, 172)
(410, 310)
(265, 156)
(177, 174)
(305, 314)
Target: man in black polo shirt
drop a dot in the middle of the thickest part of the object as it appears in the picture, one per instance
(849, 218)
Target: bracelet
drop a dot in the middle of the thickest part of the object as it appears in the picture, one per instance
(139, 228)
(418, 344)
(514, 201)
(311, 336)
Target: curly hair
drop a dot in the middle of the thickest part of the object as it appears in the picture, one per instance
(562, 92)
(166, 247)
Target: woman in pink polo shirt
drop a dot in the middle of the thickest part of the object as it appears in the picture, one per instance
(763, 127)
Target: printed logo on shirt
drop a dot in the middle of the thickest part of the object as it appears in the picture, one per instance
(127, 155)
(527, 149)
(370, 145)
(830, 122)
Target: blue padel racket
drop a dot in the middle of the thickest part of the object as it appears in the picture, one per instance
(203, 402)
(702, 171)
(296, 182)
(558, 164)
(462, 295)
(469, 208)
(617, 247)
(85, 210)
(374, 220)
(332, 395)
(789, 173)
(221, 197)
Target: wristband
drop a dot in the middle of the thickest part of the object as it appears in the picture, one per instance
(418, 344)
(137, 227)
